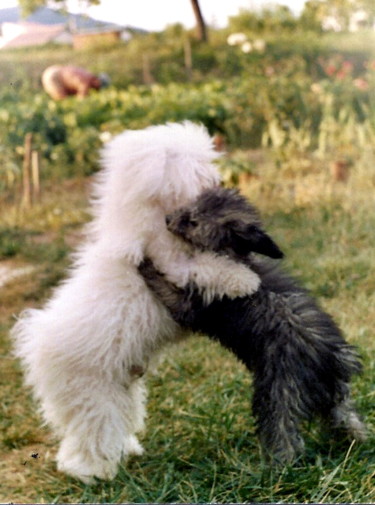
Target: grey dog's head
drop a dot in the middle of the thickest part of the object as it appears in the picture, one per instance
(223, 221)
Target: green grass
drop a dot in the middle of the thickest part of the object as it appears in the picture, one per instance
(200, 440)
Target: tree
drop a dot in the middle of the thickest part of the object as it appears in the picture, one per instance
(313, 14)
(201, 25)
(29, 6)
(316, 10)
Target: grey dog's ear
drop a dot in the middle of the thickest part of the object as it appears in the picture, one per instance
(250, 238)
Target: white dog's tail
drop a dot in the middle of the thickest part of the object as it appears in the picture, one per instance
(26, 343)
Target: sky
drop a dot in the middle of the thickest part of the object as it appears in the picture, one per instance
(156, 14)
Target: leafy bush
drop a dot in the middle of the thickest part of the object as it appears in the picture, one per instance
(298, 97)
(299, 116)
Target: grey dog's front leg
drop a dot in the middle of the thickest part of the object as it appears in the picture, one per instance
(183, 303)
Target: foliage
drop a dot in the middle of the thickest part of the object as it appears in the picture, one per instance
(274, 19)
(332, 114)
(315, 11)
(29, 6)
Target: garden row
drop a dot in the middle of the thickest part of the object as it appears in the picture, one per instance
(334, 116)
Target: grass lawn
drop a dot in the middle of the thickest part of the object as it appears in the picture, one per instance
(200, 441)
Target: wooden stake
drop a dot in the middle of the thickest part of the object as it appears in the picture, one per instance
(35, 172)
(26, 172)
(188, 57)
(146, 69)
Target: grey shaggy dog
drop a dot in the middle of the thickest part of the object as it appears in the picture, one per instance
(301, 363)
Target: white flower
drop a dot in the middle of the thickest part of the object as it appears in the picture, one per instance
(236, 39)
(316, 88)
(247, 47)
(105, 136)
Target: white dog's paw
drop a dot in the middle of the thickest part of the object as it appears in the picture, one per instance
(217, 276)
(85, 468)
(243, 283)
(240, 282)
(132, 446)
(86, 471)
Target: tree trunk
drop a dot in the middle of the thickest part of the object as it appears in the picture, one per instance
(201, 25)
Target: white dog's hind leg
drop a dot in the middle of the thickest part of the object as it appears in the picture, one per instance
(102, 431)
(78, 354)
(136, 407)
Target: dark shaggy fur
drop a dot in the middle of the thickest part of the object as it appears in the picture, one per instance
(301, 363)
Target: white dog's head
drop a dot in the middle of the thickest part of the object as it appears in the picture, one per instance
(146, 174)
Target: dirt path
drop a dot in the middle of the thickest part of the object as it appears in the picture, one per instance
(9, 271)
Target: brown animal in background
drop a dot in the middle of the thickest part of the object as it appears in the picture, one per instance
(60, 81)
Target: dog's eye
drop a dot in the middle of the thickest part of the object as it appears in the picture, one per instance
(193, 223)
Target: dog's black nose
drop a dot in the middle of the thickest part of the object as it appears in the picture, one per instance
(168, 219)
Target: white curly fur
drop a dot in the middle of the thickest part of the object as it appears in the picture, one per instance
(84, 351)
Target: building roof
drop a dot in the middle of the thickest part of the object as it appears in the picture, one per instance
(78, 22)
(48, 16)
(49, 25)
(10, 14)
(31, 34)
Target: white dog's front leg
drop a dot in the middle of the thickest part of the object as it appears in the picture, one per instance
(214, 275)
(217, 276)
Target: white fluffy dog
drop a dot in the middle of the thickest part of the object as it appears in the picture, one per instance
(85, 351)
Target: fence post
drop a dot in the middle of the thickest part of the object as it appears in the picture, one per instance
(35, 172)
(146, 70)
(26, 171)
(188, 57)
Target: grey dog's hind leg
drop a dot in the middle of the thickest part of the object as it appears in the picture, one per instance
(345, 418)
(275, 407)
